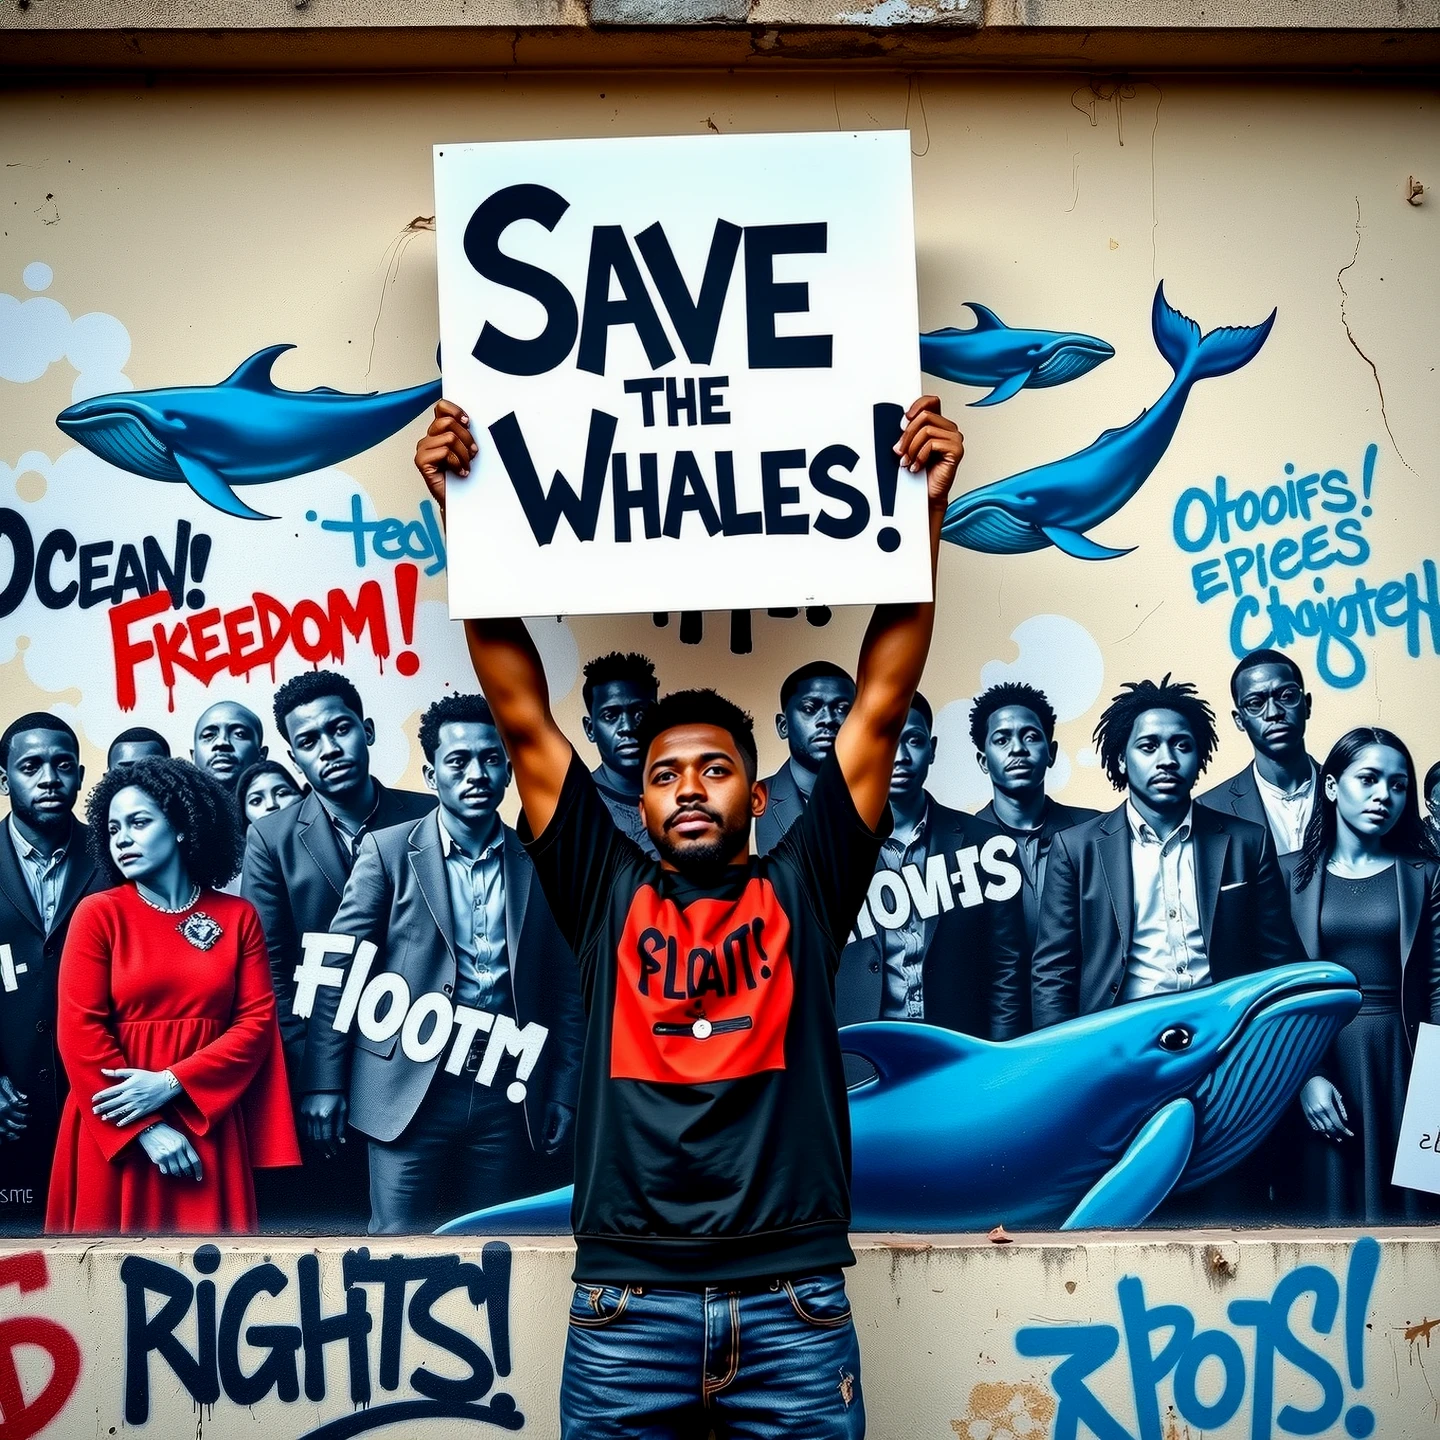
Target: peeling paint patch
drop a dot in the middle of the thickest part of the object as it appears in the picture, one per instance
(886, 14)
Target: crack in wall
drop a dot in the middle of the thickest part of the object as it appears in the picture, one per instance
(1355, 344)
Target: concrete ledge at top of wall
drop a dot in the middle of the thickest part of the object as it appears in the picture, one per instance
(1023, 15)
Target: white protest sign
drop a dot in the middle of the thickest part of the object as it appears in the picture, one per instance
(684, 360)
(1417, 1155)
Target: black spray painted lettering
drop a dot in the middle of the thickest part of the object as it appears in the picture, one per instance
(62, 571)
(703, 971)
(218, 1365)
(696, 321)
(689, 489)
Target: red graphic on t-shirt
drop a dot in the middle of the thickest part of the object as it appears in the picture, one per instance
(702, 993)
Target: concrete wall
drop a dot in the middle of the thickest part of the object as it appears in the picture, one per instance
(1176, 1337)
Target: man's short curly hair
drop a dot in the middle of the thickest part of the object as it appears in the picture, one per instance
(1011, 692)
(197, 807)
(701, 707)
(450, 709)
(314, 685)
(630, 667)
(1112, 734)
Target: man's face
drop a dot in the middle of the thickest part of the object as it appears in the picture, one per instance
(42, 777)
(1271, 707)
(1162, 760)
(331, 745)
(470, 771)
(616, 709)
(1016, 754)
(698, 800)
(227, 739)
(127, 752)
(813, 718)
(913, 758)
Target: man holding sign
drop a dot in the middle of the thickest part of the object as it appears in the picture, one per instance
(712, 1141)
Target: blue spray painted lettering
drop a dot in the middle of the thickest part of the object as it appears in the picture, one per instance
(1213, 1362)
(391, 538)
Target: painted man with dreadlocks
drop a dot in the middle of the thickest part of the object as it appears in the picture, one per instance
(1158, 895)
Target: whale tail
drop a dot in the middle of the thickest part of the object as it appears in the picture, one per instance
(1220, 352)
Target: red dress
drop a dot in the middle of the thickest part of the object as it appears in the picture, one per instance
(133, 991)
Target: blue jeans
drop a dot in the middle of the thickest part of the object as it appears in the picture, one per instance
(766, 1360)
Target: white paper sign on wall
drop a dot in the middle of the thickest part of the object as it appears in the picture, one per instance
(685, 360)
(1417, 1155)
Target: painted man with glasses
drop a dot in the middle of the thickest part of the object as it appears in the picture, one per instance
(1278, 787)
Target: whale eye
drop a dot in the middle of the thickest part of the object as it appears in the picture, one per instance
(1176, 1037)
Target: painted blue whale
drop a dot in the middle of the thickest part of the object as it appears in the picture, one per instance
(1090, 1124)
(990, 353)
(244, 431)
(1055, 504)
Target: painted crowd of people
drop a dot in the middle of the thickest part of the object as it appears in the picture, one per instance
(158, 1072)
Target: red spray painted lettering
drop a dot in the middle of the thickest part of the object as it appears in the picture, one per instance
(19, 1418)
(235, 642)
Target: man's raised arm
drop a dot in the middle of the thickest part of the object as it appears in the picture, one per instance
(893, 655)
(506, 661)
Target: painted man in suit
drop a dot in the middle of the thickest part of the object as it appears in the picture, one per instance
(450, 905)
(1012, 727)
(45, 869)
(228, 740)
(1277, 789)
(296, 864)
(939, 937)
(139, 742)
(814, 701)
(1159, 895)
(618, 691)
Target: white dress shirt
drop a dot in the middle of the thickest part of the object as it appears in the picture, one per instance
(1167, 945)
(44, 879)
(1288, 812)
(477, 915)
(904, 949)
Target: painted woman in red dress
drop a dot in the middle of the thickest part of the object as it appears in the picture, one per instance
(166, 1022)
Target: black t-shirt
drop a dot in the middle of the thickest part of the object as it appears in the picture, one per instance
(713, 1137)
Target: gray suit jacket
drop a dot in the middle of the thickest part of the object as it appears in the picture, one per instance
(1240, 796)
(398, 899)
(294, 876)
(783, 808)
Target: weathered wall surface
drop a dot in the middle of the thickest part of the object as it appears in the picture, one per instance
(1226, 1338)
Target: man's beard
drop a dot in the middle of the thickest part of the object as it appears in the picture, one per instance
(695, 861)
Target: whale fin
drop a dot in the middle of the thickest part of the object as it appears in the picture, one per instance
(1005, 389)
(1144, 1175)
(1220, 352)
(1079, 546)
(985, 317)
(210, 486)
(900, 1049)
(254, 373)
(546, 1214)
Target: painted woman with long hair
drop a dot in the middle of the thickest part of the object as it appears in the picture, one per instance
(1366, 895)
(166, 1022)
